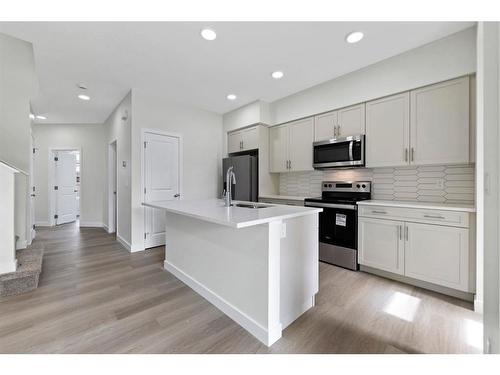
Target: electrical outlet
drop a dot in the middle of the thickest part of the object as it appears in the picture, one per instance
(283, 230)
(440, 183)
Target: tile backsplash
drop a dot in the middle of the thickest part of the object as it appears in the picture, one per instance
(436, 183)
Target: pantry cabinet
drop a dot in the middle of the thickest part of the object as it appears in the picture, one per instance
(291, 146)
(388, 131)
(243, 140)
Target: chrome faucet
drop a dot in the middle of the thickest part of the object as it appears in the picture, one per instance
(230, 179)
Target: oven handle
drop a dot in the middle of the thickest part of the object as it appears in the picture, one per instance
(351, 158)
(331, 205)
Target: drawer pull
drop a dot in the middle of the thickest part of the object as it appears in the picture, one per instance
(378, 212)
(434, 217)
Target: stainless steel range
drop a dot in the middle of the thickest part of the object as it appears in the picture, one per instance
(338, 223)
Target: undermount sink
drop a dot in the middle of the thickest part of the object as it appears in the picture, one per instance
(251, 205)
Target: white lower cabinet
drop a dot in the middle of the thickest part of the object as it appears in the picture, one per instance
(437, 254)
(381, 244)
(427, 251)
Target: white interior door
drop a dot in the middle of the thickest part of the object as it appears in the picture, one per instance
(65, 187)
(161, 182)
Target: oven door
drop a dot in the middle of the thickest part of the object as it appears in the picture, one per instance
(339, 152)
(338, 224)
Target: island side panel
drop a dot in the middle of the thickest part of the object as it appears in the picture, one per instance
(229, 267)
(299, 267)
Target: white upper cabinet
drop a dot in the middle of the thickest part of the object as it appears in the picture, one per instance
(388, 131)
(278, 147)
(325, 126)
(351, 120)
(291, 146)
(300, 149)
(234, 142)
(243, 140)
(440, 123)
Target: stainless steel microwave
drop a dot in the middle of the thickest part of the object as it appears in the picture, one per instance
(339, 152)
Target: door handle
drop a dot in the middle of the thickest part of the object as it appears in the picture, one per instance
(32, 195)
(177, 195)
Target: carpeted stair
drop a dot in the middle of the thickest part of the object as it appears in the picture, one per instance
(25, 278)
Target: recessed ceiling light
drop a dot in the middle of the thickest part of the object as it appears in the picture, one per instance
(208, 34)
(354, 37)
(83, 97)
(277, 74)
(231, 97)
(40, 117)
(32, 116)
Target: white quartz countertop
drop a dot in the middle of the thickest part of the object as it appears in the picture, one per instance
(421, 205)
(283, 197)
(213, 210)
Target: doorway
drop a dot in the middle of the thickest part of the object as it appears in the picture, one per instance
(112, 188)
(64, 185)
(161, 181)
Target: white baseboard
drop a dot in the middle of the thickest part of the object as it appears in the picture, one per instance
(135, 248)
(124, 243)
(478, 306)
(21, 245)
(42, 224)
(91, 224)
(105, 227)
(266, 336)
(8, 267)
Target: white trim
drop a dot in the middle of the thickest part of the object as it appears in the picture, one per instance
(8, 267)
(51, 180)
(91, 224)
(266, 336)
(21, 245)
(111, 226)
(180, 168)
(42, 224)
(478, 306)
(124, 243)
(106, 228)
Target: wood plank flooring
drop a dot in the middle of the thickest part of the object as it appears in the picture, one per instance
(96, 297)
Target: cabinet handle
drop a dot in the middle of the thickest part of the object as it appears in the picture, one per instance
(338, 130)
(434, 217)
(406, 154)
(378, 212)
(406, 233)
(412, 154)
(334, 130)
(399, 232)
(289, 164)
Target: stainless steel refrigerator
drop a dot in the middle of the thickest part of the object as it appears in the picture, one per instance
(245, 168)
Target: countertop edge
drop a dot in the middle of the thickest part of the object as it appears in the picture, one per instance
(417, 205)
(244, 224)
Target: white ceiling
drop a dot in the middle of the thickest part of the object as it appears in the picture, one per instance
(172, 59)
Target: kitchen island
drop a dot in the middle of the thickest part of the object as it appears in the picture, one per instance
(257, 265)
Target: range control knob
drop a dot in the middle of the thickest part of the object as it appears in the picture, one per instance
(325, 185)
(358, 186)
(363, 186)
